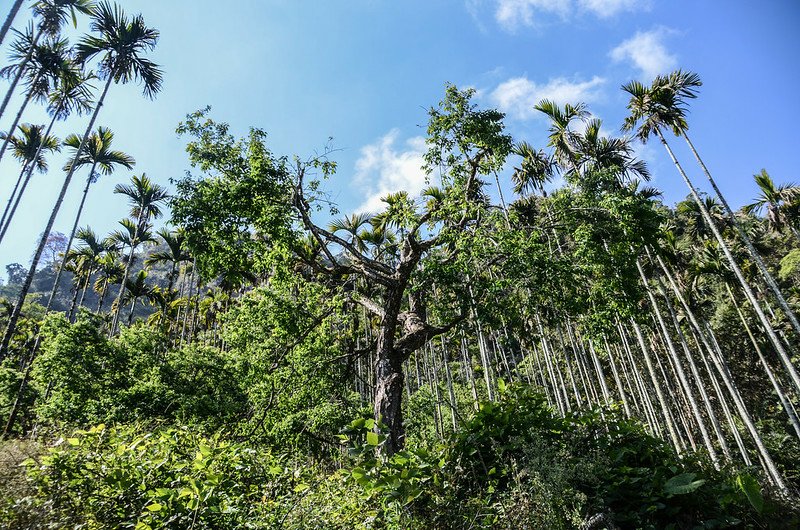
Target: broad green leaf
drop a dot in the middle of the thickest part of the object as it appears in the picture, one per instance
(372, 438)
(752, 490)
(682, 484)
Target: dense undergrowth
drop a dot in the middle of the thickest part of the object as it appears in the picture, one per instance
(513, 464)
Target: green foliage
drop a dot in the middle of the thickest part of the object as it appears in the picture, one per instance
(287, 339)
(790, 265)
(514, 464)
(83, 377)
(242, 208)
(608, 226)
(604, 464)
(126, 477)
(395, 481)
(238, 428)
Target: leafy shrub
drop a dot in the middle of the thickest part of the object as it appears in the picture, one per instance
(124, 477)
(519, 452)
(514, 464)
(287, 351)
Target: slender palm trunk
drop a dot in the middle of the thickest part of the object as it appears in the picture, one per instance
(188, 304)
(727, 379)
(12, 415)
(74, 302)
(572, 377)
(12, 321)
(130, 312)
(468, 371)
(102, 295)
(555, 368)
(140, 220)
(784, 399)
(675, 413)
(601, 376)
(19, 74)
(689, 357)
(85, 287)
(437, 393)
(558, 385)
(747, 242)
(588, 394)
(635, 405)
(16, 202)
(617, 381)
(542, 380)
(9, 19)
(644, 394)
(12, 196)
(795, 377)
(726, 411)
(71, 236)
(684, 381)
(450, 391)
(659, 393)
(18, 117)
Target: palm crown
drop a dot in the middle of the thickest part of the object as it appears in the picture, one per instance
(662, 105)
(53, 14)
(97, 150)
(26, 146)
(72, 93)
(780, 201)
(120, 46)
(145, 196)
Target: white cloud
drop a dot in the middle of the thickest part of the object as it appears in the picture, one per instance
(511, 14)
(514, 13)
(609, 8)
(384, 168)
(517, 96)
(647, 52)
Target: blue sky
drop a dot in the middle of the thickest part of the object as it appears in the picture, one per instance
(365, 71)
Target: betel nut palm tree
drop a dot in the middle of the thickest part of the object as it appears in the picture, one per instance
(71, 95)
(48, 64)
(35, 61)
(175, 254)
(779, 201)
(100, 155)
(27, 147)
(120, 45)
(51, 16)
(663, 106)
(146, 199)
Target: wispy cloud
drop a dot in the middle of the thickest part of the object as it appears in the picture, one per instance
(609, 8)
(517, 96)
(385, 167)
(646, 52)
(512, 14)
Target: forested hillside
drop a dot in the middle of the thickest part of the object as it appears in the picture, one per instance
(536, 340)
